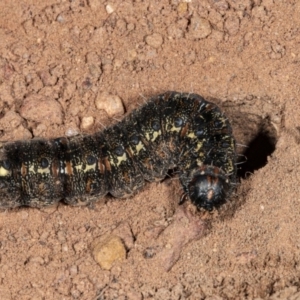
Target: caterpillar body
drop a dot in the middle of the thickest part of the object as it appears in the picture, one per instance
(171, 130)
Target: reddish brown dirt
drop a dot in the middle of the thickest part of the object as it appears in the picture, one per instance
(55, 59)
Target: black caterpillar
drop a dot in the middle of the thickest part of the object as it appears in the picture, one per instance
(172, 130)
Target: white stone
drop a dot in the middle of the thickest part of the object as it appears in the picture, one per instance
(112, 104)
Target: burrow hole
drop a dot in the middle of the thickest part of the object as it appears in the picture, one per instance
(255, 155)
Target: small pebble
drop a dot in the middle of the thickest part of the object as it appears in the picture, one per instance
(79, 247)
(112, 104)
(182, 7)
(199, 28)
(87, 122)
(154, 40)
(65, 247)
(60, 18)
(73, 270)
(109, 8)
(130, 26)
(40, 109)
(71, 131)
(221, 5)
(108, 251)
(10, 120)
(61, 236)
(75, 294)
(232, 25)
(37, 259)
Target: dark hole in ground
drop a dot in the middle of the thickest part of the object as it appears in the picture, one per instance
(257, 151)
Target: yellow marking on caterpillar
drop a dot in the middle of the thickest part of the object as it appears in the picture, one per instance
(121, 158)
(43, 171)
(199, 145)
(90, 167)
(231, 167)
(148, 136)
(155, 135)
(3, 172)
(176, 129)
(199, 162)
(79, 168)
(31, 168)
(192, 135)
(138, 147)
(39, 170)
(173, 128)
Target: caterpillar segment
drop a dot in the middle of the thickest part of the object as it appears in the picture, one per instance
(172, 130)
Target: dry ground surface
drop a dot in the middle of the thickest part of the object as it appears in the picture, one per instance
(58, 58)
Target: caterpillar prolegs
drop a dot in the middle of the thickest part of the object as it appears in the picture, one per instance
(172, 130)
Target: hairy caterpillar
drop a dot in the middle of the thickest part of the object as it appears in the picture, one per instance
(172, 130)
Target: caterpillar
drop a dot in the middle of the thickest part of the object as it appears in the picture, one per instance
(171, 130)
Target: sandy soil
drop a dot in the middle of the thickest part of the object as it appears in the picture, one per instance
(57, 57)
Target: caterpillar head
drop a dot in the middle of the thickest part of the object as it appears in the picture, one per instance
(209, 187)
